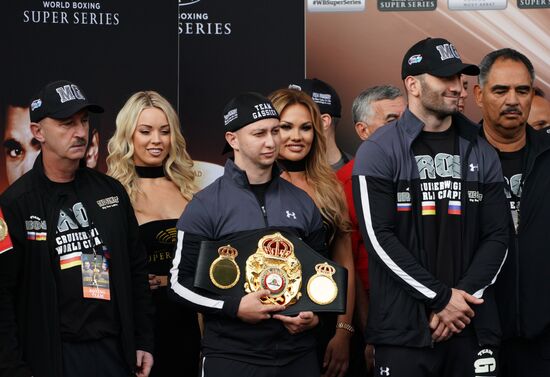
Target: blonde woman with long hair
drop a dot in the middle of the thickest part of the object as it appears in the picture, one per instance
(303, 158)
(148, 155)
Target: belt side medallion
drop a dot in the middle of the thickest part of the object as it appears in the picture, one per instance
(224, 271)
(275, 267)
(321, 287)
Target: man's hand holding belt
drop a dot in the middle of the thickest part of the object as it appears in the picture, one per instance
(252, 310)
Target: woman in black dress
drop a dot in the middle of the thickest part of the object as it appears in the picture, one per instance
(147, 154)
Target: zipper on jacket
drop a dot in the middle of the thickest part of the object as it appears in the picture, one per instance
(518, 322)
(264, 213)
(262, 207)
(525, 170)
(51, 230)
(463, 188)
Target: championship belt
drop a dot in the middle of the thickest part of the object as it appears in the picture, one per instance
(297, 276)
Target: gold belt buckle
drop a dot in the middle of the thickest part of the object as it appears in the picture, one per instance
(274, 266)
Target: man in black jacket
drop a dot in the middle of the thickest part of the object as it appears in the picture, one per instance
(55, 318)
(428, 194)
(504, 93)
(243, 336)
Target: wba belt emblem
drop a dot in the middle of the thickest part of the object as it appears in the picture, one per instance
(275, 267)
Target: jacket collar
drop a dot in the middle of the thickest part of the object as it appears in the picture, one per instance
(537, 141)
(237, 175)
(413, 126)
(38, 171)
(39, 175)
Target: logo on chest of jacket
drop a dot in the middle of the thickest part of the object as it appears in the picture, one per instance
(290, 214)
(475, 196)
(384, 371)
(36, 228)
(106, 203)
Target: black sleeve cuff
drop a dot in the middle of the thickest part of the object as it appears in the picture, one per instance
(441, 300)
(231, 306)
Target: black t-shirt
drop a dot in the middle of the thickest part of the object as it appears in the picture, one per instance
(439, 168)
(81, 318)
(512, 164)
(259, 191)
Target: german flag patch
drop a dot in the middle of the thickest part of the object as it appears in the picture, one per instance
(5, 240)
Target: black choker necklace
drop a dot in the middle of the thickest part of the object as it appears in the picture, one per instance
(150, 171)
(293, 165)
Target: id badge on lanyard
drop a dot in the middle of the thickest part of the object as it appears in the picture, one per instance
(95, 276)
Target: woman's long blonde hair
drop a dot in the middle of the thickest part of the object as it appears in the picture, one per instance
(329, 194)
(178, 166)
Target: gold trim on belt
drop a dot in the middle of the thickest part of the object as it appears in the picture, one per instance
(224, 271)
(275, 267)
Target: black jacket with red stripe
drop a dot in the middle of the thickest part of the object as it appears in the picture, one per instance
(403, 289)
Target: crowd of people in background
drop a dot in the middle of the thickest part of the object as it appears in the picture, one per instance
(439, 221)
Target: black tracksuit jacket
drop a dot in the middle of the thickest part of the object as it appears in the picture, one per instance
(523, 286)
(30, 338)
(226, 209)
(403, 290)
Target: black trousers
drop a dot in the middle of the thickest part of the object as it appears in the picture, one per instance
(521, 357)
(98, 358)
(305, 366)
(459, 356)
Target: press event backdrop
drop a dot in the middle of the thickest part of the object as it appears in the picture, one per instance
(355, 44)
(199, 53)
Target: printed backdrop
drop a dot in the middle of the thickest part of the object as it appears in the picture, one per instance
(197, 53)
(355, 44)
(200, 53)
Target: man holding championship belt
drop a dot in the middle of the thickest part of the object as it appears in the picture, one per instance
(258, 226)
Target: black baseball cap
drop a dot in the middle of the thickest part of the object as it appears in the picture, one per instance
(436, 56)
(322, 94)
(59, 100)
(244, 109)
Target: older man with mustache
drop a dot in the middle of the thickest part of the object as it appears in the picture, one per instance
(504, 93)
(55, 320)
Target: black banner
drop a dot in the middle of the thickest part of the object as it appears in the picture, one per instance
(196, 53)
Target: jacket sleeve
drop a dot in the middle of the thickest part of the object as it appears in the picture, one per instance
(143, 309)
(376, 202)
(11, 257)
(192, 228)
(494, 214)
